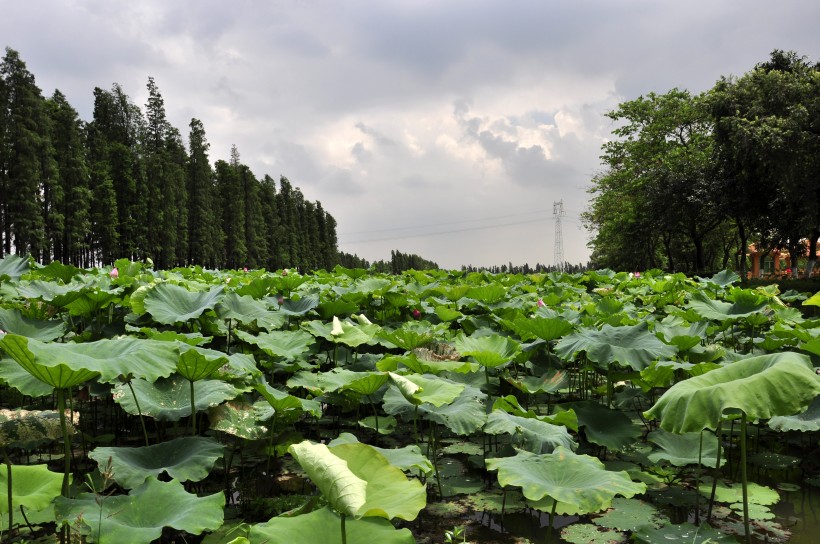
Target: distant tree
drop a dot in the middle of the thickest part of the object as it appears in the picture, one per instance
(232, 202)
(70, 240)
(28, 177)
(204, 222)
(767, 124)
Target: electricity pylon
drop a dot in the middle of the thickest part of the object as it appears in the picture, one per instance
(557, 213)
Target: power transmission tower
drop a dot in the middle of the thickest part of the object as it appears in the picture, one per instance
(557, 213)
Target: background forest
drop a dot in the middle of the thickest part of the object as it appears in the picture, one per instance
(691, 180)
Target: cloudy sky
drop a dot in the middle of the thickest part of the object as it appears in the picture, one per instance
(445, 128)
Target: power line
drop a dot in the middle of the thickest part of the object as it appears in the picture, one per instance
(439, 233)
(517, 214)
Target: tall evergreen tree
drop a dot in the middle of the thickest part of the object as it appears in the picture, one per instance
(204, 222)
(73, 243)
(28, 170)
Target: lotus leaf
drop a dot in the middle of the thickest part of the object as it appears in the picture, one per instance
(188, 458)
(587, 533)
(238, 419)
(168, 303)
(634, 346)
(298, 307)
(196, 363)
(359, 481)
(577, 480)
(758, 494)
(722, 279)
(140, 516)
(420, 389)
(288, 344)
(805, 421)
(629, 515)
(406, 338)
(718, 310)
(13, 321)
(32, 486)
(169, 399)
(13, 267)
(110, 358)
(548, 382)
(529, 434)
(490, 351)
(286, 404)
(406, 458)
(247, 310)
(18, 377)
(762, 386)
(604, 426)
(684, 533)
(322, 527)
(684, 449)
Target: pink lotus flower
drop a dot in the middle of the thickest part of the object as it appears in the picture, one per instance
(114, 273)
(245, 269)
(637, 274)
(285, 272)
(540, 303)
(416, 313)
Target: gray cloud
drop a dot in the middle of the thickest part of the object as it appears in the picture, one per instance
(446, 129)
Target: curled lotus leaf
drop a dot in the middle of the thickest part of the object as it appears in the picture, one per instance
(359, 481)
(776, 384)
(629, 345)
(169, 399)
(168, 303)
(32, 486)
(187, 458)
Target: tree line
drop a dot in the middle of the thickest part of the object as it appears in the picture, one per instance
(691, 181)
(125, 185)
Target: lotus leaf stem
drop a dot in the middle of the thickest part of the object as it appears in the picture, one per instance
(743, 478)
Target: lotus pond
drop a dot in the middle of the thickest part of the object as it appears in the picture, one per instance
(195, 405)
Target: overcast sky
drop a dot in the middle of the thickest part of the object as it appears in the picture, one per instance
(445, 128)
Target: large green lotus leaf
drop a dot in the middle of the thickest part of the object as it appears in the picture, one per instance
(722, 279)
(464, 416)
(13, 267)
(343, 332)
(18, 377)
(684, 449)
(29, 429)
(323, 527)
(32, 486)
(605, 426)
(488, 294)
(390, 494)
(187, 458)
(406, 458)
(169, 399)
(324, 382)
(139, 517)
(110, 358)
(406, 338)
(288, 344)
(338, 307)
(718, 310)
(286, 404)
(578, 480)
(168, 303)
(683, 338)
(423, 361)
(344, 490)
(545, 328)
(630, 345)
(196, 363)
(733, 493)
(510, 404)
(776, 384)
(359, 481)
(54, 374)
(374, 286)
(684, 533)
(13, 321)
(367, 383)
(429, 388)
(813, 301)
(548, 382)
(300, 307)
(529, 434)
(247, 310)
(490, 351)
(58, 295)
(92, 301)
(807, 421)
